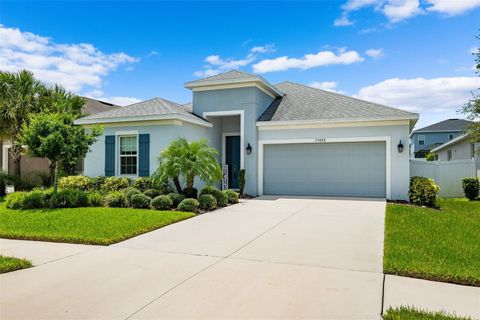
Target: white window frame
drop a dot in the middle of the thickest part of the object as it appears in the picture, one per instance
(423, 139)
(388, 155)
(119, 156)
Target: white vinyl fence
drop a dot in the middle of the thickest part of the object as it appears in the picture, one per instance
(447, 174)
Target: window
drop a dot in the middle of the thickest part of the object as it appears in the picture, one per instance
(421, 139)
(472, 150)
(449, 155)
(128, 155)
(450, 136)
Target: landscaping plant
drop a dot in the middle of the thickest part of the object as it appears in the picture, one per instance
(161, 202)
(75, 182)
(140, 201)
(68, 198)
(142, 183)
(4, 179)
(241, 181)
(95, 199)
(188, 205)
(423, 192)
(188, 160)
(129, 192)
(152, 193)
(222, 198)
(207, 202)
(115, 183)
(176, 198)
(232, 196)
(115, 199)
(471, 188)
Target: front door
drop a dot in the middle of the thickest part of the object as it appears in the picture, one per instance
(232, 159)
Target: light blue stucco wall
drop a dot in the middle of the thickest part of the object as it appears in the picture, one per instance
(253, 102)
(431, 138)
(400, 165)
(160, 137)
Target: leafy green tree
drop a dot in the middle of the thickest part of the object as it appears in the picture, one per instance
(189, 160)
(55, 137)
(472, 108)
(19, 98)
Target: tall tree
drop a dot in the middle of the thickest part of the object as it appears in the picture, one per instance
(55, 137)
(472, 108)
(19, 98)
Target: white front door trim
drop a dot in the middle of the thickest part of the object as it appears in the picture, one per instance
(385, 139)
(242, 130)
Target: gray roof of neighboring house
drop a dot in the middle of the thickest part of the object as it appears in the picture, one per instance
(455, 125)
(305, 103)
(146, 110)
(93, 106)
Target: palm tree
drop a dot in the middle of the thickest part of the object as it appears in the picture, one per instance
(189, 160)
(19, 98)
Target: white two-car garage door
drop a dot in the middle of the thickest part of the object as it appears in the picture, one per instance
(355, 169)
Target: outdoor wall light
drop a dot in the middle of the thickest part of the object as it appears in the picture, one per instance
(249, 148)
(400, 147)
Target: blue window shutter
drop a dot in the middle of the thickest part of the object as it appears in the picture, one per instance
(144, 155)
(109, 156)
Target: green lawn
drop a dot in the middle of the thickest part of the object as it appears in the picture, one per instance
(8, 264)
(406, 313)
(102, 226)
(441, 245)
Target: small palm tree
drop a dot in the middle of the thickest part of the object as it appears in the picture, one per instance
(189, 160)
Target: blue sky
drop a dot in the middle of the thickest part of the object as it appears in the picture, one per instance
(416, 55)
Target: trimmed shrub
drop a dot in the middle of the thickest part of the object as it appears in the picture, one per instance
(68, 198)
(161, 202)
(97, 183)
(423, 192)
(115, 199)
(142, 183)
(165, 187)
(193, 193)
(188, 205)
(222, 198)
(231, 195)
(75, 182)
(95, 199)
(35, 199)
(15, 200)
(115, 183)
(152, 193)
(207, 202)
(129, 192)
(176, 198)
(471, 188)
(140, 201)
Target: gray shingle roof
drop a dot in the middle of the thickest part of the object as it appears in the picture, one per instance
(301, 102)
(93, 106)
(455, 125)
(145, 109)
(229, 75)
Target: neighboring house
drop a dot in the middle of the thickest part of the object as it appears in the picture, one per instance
(291, 139)
(32, 164)
(424, 140)
(459, 148)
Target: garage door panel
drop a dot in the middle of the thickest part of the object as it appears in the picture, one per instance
(333, 169)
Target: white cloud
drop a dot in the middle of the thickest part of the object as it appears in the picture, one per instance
(308, 61)
(325, 85)
(422, 95)
(120, 101)
(374, 53)
(74, 66)
(452, 7)
(216, 64)
(399, 10)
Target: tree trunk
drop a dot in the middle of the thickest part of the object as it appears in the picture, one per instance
(55, 177)
(176, 182)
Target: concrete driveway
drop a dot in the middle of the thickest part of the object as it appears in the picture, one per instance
(264, 258)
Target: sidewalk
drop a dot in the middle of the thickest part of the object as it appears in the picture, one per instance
(431, 296)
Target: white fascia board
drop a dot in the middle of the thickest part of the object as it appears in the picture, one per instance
(339, 121)
(258, 81)
(143, 118)
(449, 143)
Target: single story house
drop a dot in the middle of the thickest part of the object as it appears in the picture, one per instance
(424, 140)
(459, 148)
(291, 139)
